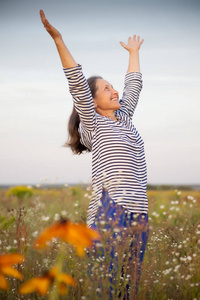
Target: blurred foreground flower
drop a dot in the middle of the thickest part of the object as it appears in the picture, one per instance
(78, 235)
(6, 262)
(42, 284)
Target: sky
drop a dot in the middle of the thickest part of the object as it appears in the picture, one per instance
(36, 104)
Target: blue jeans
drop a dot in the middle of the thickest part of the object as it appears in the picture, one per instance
(125, 235)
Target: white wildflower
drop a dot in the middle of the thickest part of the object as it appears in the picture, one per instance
(56, 217)
(183, 259)
(188, 277)
(134, 223)
(99, 245)
(176, 268)
(167, 271)
(45, 218)
(102, 222)
(156, 281)
(63, 213)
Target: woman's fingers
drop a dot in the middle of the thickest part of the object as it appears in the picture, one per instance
(42, 16)
(123, 45)
(54, 33)
(133, 43)
(44, 20)
(141, 41)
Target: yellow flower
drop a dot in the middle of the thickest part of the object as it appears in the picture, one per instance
(78, 235)
(42, 284)
(20, 191)
(6, 262)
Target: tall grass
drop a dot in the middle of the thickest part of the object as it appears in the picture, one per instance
(172, 259)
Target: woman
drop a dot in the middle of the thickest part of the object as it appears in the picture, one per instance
(102, 123)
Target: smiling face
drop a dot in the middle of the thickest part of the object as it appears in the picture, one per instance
(106, 99)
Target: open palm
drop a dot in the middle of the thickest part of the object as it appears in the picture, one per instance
(133, 43)
(54, 33)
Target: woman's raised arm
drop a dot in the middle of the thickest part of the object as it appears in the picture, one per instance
(133, 47)
(65, 56)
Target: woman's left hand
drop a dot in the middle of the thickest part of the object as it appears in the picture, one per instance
(133, 43)
(54, 33)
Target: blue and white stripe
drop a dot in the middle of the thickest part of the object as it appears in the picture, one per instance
(118, 158)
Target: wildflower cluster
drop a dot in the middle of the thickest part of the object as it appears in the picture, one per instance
(173, 248)
(60, 232)
(171, 262)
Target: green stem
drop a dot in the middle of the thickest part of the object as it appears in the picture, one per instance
(54, 295)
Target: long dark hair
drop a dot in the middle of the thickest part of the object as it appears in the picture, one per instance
(74, 120)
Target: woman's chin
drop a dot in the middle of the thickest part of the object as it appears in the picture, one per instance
(118, 106)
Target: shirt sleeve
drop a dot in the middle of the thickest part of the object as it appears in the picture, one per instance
(82, 96)
(132, 88)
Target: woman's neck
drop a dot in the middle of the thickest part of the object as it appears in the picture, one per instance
(107, 114)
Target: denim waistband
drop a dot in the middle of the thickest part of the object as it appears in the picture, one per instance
(109, 211)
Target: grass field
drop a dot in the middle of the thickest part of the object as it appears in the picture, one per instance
(171, 268)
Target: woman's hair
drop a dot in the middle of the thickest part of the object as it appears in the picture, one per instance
(74, 120)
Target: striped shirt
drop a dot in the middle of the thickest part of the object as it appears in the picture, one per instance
(118, 158)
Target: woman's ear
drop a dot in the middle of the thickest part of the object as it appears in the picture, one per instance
(95, 104)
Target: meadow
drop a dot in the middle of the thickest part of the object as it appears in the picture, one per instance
(172, 259)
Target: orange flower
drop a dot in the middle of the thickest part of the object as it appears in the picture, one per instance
(6, 262)
(42, 284)
(79, 235)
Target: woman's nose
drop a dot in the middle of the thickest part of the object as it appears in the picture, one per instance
(115, 92)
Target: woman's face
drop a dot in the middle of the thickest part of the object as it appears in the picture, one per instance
(106, 97)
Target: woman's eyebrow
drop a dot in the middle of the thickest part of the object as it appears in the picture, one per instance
(108, 85)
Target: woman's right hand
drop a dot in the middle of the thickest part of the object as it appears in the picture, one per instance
(54, 33)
